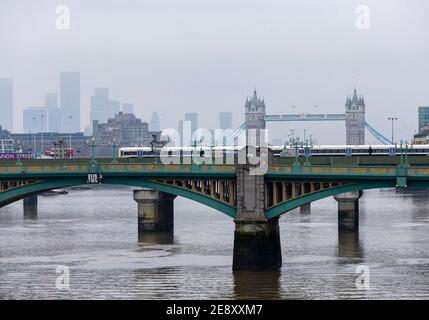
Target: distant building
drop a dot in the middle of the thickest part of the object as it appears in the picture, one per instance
(42, 142)
(355, 120)
(87, 132)
(154, 122)
(7, 146)
(255, 119)
(6, 143)
(225, 120)
(113, 108)
(125, 129)
(6, 104)
(4, 134)
(422, 136)
(180, 130)
(102, 108)
(54, 113)
(127, 108)
(192, 117)
(35, 119)
(99, 105)
(70, 101)
(423, 117)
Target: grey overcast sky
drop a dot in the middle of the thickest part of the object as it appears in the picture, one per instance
(174, 56)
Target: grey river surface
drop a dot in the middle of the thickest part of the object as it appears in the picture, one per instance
(94, 233)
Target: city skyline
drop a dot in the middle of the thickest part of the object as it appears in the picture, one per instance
(160, 73)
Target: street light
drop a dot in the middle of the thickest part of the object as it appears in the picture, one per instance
(70, 143)
(393, 119)
(34, 136)
(43, 128)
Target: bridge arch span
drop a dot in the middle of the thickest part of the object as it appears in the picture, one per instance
(19, 193)
(284, 207)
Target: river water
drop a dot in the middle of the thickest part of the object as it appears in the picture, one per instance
(94, 234)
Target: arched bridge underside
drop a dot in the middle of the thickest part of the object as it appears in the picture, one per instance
(286, 187)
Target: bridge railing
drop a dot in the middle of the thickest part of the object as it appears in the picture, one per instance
(114, 168)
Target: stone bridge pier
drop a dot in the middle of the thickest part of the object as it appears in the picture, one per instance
(256, 239)
(155, 211)
(348, 210)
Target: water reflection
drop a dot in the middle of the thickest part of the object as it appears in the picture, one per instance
(98, 240)
(349, 246)
(257, 285)
(156, 237)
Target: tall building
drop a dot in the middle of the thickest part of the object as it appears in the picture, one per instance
(127, 108)
(423, 117)
(6, 104)
(113, 108)
(102, 109)
(35, 119)
(70, 101)
(54, 113)
(193, 118)
(225, 120)
(180, 129)
(255, 119)
(355, 120)
(99, 105)
(154, 122)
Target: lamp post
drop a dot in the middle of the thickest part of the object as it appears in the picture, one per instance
(114, 147)
(393, 119)
(34, 136)
(70, 141)
(93, 145)
(43, 128)
(18, 152)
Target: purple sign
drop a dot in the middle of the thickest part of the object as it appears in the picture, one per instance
(15, 156)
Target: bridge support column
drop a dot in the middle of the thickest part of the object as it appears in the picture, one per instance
(257, 245)
(256, 239)
(305, 208)
(348, 211)
(30, 207)
(155, 211)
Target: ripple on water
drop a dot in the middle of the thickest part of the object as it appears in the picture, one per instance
(98, 240)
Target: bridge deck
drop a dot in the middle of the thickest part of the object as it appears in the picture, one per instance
(46, 169)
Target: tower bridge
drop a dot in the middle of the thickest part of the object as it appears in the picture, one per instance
(354, 117)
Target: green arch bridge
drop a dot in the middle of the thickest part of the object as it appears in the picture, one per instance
(254, 202)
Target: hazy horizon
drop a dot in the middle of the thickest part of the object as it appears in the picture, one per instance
(183, 56)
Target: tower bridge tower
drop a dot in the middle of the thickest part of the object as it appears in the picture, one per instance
(255, 118)
(355, 120)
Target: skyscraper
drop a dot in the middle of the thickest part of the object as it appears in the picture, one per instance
(6, 104)
(70, 101)
(225, 120)
(154, 122)
(193, 118)
(423, 117)
(99, 103)
(113, 108)
(54, 113)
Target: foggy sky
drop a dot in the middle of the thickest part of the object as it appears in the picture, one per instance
(174, 56)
